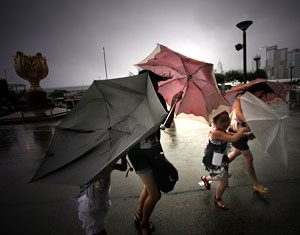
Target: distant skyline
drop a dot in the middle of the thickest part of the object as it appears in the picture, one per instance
(72, 33)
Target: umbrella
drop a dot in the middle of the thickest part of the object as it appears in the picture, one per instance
(278, 95)
(266, 125)
(111, 117)
(201, 95)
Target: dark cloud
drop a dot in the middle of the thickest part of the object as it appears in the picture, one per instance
(71, 33)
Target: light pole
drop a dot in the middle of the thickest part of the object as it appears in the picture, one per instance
(244, 26)
(291, 68)
(103, 49)
(256, 59)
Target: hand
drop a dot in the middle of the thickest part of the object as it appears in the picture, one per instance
(177, 97)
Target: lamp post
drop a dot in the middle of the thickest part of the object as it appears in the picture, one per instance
(256, 59)
(244, 25)
(103, 49)
(291, 68)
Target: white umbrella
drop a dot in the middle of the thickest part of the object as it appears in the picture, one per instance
(266, 125)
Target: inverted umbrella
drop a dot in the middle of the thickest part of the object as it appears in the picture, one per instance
(112, 116)
(278, 94)
(201, 95)
(266, 125)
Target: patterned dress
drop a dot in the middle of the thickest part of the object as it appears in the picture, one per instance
(221, 147)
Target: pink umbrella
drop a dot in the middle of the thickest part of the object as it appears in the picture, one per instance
(201, 95)
(278, 95)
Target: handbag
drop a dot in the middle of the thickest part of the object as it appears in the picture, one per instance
(165, 174)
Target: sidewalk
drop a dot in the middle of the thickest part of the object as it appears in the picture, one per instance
(51, 209)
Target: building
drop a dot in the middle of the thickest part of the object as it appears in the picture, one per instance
(281, 63)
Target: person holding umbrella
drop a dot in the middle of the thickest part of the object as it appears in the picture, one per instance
(138, 155)
(260, 90)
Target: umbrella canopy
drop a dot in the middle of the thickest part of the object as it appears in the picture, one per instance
(278, 95)
(112, 116)
(201, 95)
(266, 125)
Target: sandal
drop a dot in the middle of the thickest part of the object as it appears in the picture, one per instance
(206, 183)
(146, 227)
(138, 221)
(224, 206)
(261, 190)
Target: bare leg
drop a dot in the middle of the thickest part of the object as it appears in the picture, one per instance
(249, 165)
(222, 185)
(251, 171)
(233, 154)
(143, 196)
(153, 196)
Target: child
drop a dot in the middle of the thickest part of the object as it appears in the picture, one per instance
(216, 160)
(94, 204)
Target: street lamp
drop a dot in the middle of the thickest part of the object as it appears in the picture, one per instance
(256, 59)
(244, 25)
(103, 49)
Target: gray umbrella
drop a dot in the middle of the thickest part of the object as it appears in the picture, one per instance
(111, 117)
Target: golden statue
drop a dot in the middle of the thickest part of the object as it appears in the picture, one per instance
(31, 68)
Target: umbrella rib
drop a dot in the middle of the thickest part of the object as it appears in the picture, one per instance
(108, 117)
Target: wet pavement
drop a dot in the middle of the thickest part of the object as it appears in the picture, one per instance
(37, 208)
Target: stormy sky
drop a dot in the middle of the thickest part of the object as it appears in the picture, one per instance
(71, 33)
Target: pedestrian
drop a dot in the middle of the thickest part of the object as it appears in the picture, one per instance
(139, 155)
(215, 157)
(260, 90)
(94, 204)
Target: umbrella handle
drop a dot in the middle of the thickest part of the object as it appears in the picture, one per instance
(163, 126)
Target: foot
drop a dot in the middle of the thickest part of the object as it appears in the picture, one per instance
(206, 183)
(138, 220)
(260, 188)
(145, 227)
(220, 203)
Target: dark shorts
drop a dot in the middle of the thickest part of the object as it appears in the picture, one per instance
(139, 157)
(241, 144)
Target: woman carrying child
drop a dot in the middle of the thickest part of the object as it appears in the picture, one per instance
(215, 159)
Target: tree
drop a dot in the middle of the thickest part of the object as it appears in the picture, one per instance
(220, 77)
(233, 75)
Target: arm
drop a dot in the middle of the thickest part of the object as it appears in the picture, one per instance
(177, 97)
(238, 110)
(228, 137)
(122, 166)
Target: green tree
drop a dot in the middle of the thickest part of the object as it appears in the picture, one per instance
(220, 77)
(233, 75)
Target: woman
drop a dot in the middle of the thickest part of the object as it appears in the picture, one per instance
(138, 155)
(260, 90)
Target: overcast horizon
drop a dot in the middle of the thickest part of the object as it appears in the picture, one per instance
(71, 34)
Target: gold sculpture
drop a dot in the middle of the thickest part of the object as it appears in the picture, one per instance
(31, 68)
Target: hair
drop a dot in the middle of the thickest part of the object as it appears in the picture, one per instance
(153, 75)
(258, 87)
